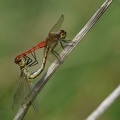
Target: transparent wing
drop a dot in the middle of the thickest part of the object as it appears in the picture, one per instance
(34, 103)
(23, 89)
(19, 94)
(57, 26)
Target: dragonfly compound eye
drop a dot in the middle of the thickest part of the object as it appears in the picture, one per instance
(17, 60)
(62, 34)
(22, 63)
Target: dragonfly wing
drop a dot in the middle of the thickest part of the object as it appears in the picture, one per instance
(19, 94)
(23, 89)
(34, 103)
(57, 26)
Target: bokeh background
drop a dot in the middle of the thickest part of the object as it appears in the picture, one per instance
(89, 74)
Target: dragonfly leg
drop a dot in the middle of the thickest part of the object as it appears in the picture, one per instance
(55, 53)
(27, 59)
(65, 41)
(31, 62)
(35, 62)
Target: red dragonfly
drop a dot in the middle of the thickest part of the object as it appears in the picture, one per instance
(54, 37)
(50, 42)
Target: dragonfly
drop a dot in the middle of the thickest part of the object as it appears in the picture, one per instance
(23, 88)
(54, 37)
(25, 85)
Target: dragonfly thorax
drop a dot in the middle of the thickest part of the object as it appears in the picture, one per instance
(25, 74)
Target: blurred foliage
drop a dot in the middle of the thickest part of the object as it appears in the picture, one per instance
(87, 76)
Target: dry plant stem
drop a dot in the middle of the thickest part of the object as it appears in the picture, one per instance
(40, 84)
(105, 104)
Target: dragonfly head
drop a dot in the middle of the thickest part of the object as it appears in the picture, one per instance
(62, 34)
(20, 62)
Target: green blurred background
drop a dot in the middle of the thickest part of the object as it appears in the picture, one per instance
(89, 74)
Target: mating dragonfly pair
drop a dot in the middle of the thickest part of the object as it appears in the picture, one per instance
(54, 37)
